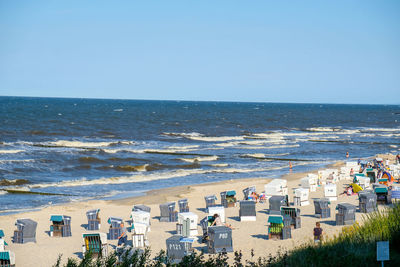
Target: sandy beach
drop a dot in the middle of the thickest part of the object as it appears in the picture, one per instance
(247, 236)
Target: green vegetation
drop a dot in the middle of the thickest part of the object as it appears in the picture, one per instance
(355, 246)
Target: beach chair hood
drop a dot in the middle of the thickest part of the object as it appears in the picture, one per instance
(56, 218)
(114, 220)
(93, 212)
(275, 219)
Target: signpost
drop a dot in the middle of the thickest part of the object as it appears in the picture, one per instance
(382, 251)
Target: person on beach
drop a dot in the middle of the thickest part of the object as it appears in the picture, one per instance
(347, 155)
(217, 221)
(330, 178)
(123, 238)
(351, 172)
(317, 232)
(348, 191)
(398, 158)
(319, 179)
(254, 196)
(290, 165)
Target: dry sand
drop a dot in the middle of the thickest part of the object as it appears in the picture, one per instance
(246, 235)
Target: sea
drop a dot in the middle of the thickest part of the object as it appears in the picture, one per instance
(59, 150)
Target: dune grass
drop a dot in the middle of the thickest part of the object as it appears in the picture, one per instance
(354, 246)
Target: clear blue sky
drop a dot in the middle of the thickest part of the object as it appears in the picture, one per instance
(267, 51)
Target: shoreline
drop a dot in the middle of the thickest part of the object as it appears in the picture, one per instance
(145, 194)
(246, 235)
(183, 189)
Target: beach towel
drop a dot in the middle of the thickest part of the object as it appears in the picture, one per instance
(356, 188)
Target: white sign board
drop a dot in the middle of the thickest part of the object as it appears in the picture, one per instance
(382, 251)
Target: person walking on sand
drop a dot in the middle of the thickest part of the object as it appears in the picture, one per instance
(123, 238)
(290, 165)
(317, 233)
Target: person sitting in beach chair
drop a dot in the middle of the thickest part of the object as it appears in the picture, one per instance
(217, 221)
(262, 198)
(123, 238)
(253, 196)
(348, 191)
(330, 178)
(318, 233)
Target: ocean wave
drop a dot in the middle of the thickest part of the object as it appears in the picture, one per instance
(336, 130)
(90, 160)
(389, 135)
(130, 168)
(250, 147)
(365, 129)
(147, 167)
(80, 144)
(228, 144)
(326, 132)
(324, 129)
(274, 147)
(246, 143)
(260, 143)
(184, 147)
(5, 182)
(117, 150)
(255, 155)
(216, 138)
(367, 135)
(83, 167)
(220, 165)
(144, 177)
(17, 188)
(186, 135)
(11, 151)
(16, 160)
(174, 152)
(269, 135)
(266, 147)
(284, 136)
(168, 150)
(197, 159)
(200, 137)
(122, 179)
(127, 159)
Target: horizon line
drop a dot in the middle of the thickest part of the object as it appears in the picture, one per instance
(185, 100)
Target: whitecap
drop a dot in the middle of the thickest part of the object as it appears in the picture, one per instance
(220, 165)
(196, 159)
(90, 144)
(11, 151)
